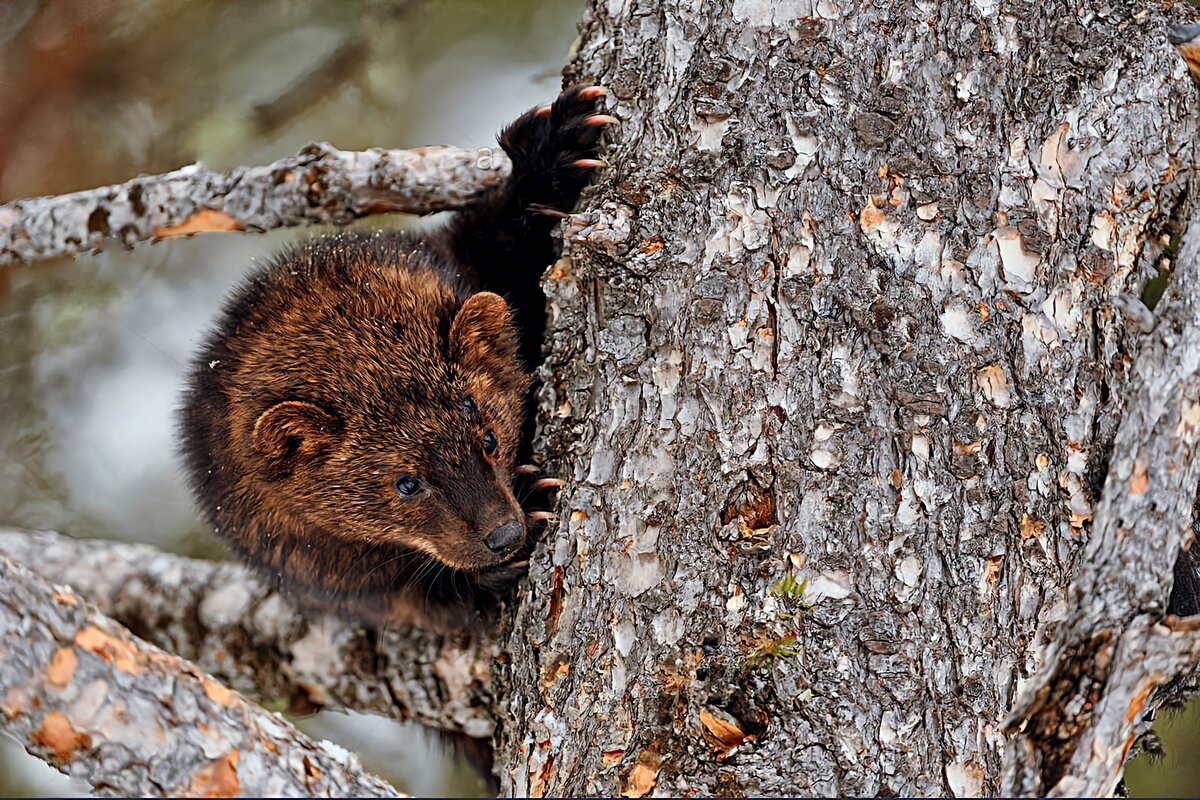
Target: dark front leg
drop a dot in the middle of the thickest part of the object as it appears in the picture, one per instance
(505, 238)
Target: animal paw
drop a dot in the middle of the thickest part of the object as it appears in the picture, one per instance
(555, 149)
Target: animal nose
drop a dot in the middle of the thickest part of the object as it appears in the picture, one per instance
(503, 538)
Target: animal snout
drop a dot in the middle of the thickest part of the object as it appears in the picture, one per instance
(504, 538)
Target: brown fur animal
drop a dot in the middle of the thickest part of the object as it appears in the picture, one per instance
(354, 422)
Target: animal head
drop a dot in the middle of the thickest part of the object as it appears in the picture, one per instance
(387, 413)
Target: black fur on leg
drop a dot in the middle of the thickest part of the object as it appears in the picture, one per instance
(506, 236)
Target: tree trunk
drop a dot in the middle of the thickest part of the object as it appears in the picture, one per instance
(841, 354)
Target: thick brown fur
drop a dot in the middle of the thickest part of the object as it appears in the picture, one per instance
(356, 367)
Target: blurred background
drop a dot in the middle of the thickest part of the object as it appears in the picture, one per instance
(92, 350)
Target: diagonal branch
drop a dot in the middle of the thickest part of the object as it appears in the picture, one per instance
(320, 185)
(236, 627)
(81, 692)
(1075, 720)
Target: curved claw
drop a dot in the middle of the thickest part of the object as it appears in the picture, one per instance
(527, 469)
(542, 111)
(601, 119)
(592, 92)
(547, 483)
(542, 516)
(588, 163)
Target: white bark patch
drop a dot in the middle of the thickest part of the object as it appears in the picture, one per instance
(1017, 266)
(748, 225)
(805, 146)
(958, 322)
(965, 84)
(833, 585)
(1104, 229)
(798, 256)
(318, 653)
(994, 384)
(768, 13)
(736, 601)
(1189, 421)
(965, 779)
(668, 627)
(637, 572)
(909, 510)
(709, 134)
(224, 606)
(623, 634)
(928, 212)
(1065, 309)
(1044, 199)
(920, 447)
(827, 9)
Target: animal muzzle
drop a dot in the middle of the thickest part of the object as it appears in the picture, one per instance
(505, 538)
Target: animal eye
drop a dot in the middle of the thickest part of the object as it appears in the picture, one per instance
(406, 486)
(469, 405)
(490, 444)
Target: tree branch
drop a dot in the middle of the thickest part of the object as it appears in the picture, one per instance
(320, 185)
(236, 627)
(1078, 716)
(79, 691)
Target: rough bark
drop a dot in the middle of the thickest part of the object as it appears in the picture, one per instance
(234, 626)
(837, 373)
(877, 462)
(132, 720)
(321, 185)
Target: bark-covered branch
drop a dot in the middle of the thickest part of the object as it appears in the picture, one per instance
(1074, 731)
(234, 626)
(81, 692)
(320, 185)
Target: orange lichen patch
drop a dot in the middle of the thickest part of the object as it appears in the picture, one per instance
(217, 693)
(65, 599)
(1077, 521)
(119, 653)
(1139, 480)
(216, 778)
(311, 771)
(652, 246)
(871, 217)
(62, 667)
(610, 757)
(754, 517)
(1139, 700)
(1030, 526)
(896, 479)
(724, 734)
(555, 671)
(537, 787)
(963, 449)
(676, 675)
(59, 736)
(206, 220)
(984, 313)
(642, 776)
(555, 605)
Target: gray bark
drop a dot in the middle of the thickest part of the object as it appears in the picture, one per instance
(860, 314)
(321, 185)
(132, 720)
(876, 461)
(234, 626)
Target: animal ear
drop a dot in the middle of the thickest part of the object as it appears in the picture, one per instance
(483, 337)
(294, 432)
